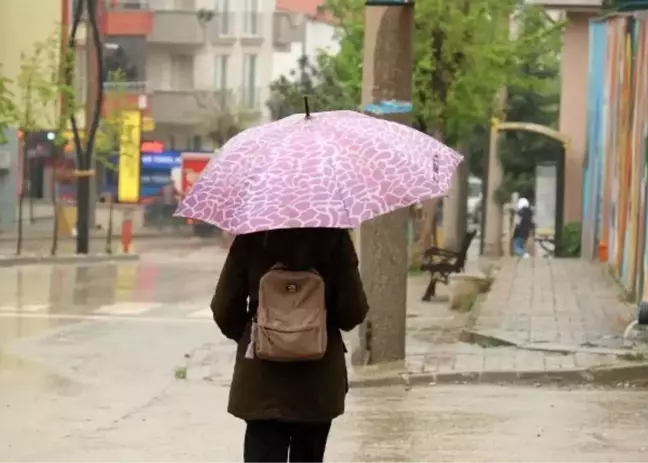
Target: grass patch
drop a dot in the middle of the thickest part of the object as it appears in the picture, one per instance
(180, 372)
(633, 357)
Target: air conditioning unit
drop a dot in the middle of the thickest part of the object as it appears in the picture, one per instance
(5, 160)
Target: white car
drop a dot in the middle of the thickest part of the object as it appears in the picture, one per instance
(475, 195)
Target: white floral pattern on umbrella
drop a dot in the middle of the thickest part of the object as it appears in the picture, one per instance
(335, 169)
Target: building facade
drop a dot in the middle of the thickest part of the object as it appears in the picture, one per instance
(195, 60)
(301, 30)
(573, 94)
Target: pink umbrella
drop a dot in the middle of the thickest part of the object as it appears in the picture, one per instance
(332, 169)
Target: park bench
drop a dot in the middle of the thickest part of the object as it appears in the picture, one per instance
(441, 263)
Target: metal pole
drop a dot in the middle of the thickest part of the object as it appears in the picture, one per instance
(387, 75)
(85, 195)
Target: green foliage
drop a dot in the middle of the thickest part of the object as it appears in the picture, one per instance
(223, 115)
(44, 100)
(462, 56)
(570, 242)
(7, 107)
(110, 130)
(533, 96)
(333, 81)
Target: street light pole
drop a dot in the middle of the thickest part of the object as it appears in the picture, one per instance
(94, 103)
(387, 77)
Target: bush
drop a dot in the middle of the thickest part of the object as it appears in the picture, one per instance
(570, 241)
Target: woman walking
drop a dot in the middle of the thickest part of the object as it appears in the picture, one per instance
(288, 405)
(523, 227)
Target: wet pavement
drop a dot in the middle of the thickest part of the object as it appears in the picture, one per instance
(89, 356)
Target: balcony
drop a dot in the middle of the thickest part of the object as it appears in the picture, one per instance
(123, 96)
(176, 28)
(175, 107)
(127, 17)
(195, 107)
(285, 30)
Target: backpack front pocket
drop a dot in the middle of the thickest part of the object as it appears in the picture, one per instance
(308, 343)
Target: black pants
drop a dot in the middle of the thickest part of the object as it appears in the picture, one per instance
(270, 441)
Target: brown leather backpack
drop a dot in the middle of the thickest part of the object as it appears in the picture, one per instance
(290, 325)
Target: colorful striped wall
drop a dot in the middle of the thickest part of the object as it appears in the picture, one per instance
(615, 171)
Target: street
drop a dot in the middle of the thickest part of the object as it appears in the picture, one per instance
(93, 362)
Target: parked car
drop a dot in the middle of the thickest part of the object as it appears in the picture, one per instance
(475, 197)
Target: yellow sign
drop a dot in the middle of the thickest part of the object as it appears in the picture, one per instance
(128, 188)
(148, 124)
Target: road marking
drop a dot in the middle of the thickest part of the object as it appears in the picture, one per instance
(29, 308)
(126, 308)
(203, 313)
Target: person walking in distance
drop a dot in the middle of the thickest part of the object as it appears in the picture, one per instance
(523, 227)
(283, 296)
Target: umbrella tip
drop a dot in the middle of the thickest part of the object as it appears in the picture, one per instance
(306, 108)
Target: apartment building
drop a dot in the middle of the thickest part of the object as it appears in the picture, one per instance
(195, 60)
(302, 30)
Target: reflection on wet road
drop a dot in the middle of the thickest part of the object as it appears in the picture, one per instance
(173, 287)
(88, 356)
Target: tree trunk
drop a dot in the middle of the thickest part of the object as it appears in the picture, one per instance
(21, 197)
(387, 75)
(109, 234)
(54, 194)
(427, 222)
(493, 214)
(455, 213)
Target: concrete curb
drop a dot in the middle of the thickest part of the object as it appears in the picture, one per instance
(73, 259)
(487, 339)
(604, 376)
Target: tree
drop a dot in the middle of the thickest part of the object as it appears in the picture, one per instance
(223, 115)
(464, 53)
(333, 81)
(533, 98)
(7, 107)
(44, 103)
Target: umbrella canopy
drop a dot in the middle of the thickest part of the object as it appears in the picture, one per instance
(331, 169)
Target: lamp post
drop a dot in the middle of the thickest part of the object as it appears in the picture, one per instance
(387, 85)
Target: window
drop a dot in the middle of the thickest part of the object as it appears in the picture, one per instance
(250, 80)
(196, 143)
(223, 12)
(181, 72)
(125, 56)
(220, 72)
(251, 19)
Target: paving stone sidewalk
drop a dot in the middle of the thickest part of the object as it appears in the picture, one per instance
(437, 354)
(556, 304)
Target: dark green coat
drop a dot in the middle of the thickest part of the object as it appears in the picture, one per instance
(303, 391)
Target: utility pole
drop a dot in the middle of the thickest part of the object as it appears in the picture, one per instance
(387, 76)
(86, 195)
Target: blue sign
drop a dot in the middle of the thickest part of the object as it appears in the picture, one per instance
(389, 107)
(163, 160)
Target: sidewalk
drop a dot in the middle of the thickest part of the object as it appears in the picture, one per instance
(555, 304)
(441, 344)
